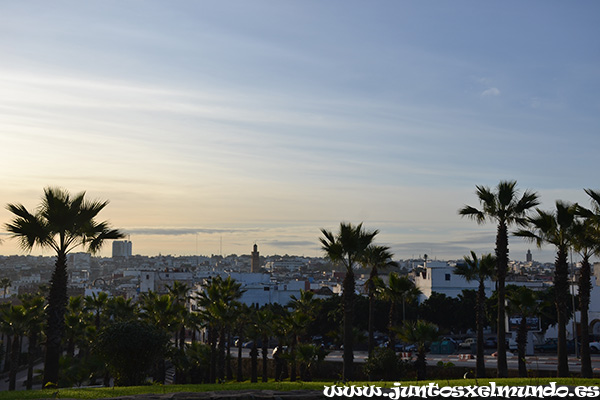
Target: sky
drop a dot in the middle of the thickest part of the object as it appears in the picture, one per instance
(214, 125)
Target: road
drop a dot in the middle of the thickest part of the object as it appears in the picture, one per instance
(545, 362)
(542, 362)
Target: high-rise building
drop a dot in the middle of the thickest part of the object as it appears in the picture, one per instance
(255, 262)
(528, 256)
(121, 248)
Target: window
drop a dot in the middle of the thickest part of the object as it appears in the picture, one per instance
(447, 277)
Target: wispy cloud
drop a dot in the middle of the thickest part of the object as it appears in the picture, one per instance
(185, 231)
(491, 92)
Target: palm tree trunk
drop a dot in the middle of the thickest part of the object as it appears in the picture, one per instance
(561, 287)
(265, 349)
(229, 373)
(584, 304)
(421, 363)
(348, 338)
(182, 337)
(7, 354)
(371, 322)
(502, 266)
(521, 344)
(212, 340)
(14, 363)
(221, 356)
(32, 346)
(254, 363)
(293, 372)
(57, 301)
(239, 377)
(480, 360)
(391, 319)
(371, 287)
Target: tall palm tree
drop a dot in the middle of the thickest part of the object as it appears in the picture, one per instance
(556, 228)
(376, 258)
(523, 302)
(399, 290)
(347, 248)
(478, 270)
(419, 333)
(61, 222)
(586, 242)
(505, 208)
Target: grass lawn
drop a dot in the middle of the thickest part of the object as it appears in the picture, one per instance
(97, 393)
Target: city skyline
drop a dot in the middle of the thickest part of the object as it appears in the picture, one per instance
(211, 126)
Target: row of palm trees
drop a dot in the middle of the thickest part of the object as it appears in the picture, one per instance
(353, 246)
(569, 226)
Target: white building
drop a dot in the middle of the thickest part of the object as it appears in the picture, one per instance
(261, 289)
(439, 276)
(157, 281)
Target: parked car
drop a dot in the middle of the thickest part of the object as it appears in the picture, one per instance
(595, 347)
(467, 343)
(551, 346)
(490, 343)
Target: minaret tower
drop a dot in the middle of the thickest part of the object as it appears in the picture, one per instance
(255, 263)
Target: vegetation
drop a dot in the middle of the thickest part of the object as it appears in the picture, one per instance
(98, 337)
(97, 393)
(505, 208)
(479, 270)
(347, 248)
(556, 228)
(62, 223)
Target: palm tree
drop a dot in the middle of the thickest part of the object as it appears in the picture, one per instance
(96, 304)
(586, 242)
(120, 309)
(503, 207)
(523, 302)
(399, 290)
(556, 228)
(5, 283)
(34, 313)
(15, 320)
(419, 333)
(62, 222)
(376, 258)
(347, 248)
(219, 305)
(179, 292)
(479, 270)
(240, 326)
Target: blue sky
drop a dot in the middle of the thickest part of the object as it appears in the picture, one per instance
(213, 125)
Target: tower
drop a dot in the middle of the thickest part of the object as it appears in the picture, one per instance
(528, 256)
(255, 262)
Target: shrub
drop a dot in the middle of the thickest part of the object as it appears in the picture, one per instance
(383, 364)
(130, 349)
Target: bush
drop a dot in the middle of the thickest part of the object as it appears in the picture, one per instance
(130, 349)
(383, 364)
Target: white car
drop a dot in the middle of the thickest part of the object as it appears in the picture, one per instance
(467, 343)
(595, 347)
